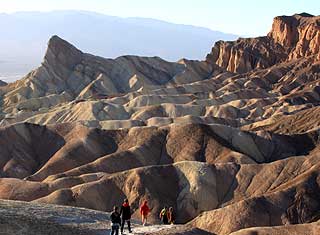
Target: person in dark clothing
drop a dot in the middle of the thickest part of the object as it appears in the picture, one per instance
(171, 216)
(164, 215)
(125, 215)
(115, 221)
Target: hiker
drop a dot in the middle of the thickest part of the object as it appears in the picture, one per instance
(144, 211)
(115, 221)
(171, 216)
(125, 212)
(164, 215)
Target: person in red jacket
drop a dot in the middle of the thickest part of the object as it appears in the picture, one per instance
(144, 211)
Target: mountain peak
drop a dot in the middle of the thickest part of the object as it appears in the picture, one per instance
(57, 44)
(62, 52)
(2, 83)
(304, 14)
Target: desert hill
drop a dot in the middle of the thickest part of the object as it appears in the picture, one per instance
(231, 142)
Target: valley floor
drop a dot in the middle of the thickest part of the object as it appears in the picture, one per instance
(33, 218)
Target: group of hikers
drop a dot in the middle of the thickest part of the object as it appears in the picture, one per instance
(120, 218)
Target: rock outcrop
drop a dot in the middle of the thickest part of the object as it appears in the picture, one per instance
(291, 37)
(246, 54)
(298, 34)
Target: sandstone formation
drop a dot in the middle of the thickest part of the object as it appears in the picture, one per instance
(232, 142)
(290, 37)
(299, 34)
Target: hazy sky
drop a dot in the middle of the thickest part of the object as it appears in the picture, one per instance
(243, 17)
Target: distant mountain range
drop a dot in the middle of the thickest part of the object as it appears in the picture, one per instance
(24, 36)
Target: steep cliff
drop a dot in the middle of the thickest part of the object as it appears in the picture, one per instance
(290, 37)
(246, 54)
(298, 34)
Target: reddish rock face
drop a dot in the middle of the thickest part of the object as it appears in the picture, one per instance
(284, 31)
(246, 54)
(290, 37)
(299, 34)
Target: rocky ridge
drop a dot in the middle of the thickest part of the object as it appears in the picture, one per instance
(291, 37)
